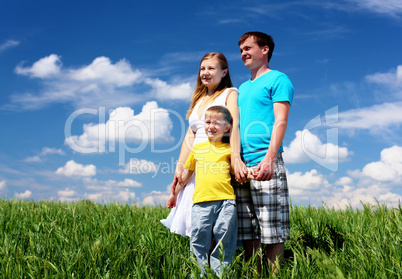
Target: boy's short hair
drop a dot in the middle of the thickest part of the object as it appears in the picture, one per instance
(223, 111)
(261, 40)
(227, 117)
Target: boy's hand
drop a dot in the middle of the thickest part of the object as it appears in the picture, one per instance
(251, 175)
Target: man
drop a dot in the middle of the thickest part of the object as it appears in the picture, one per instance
(264, 103)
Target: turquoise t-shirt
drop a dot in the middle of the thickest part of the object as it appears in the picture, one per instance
(256, 100)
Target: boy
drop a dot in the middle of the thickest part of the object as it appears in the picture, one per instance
(213, 215)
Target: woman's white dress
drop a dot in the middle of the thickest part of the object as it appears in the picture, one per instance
(179, 218)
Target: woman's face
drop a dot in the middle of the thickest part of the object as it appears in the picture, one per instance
(211, 73)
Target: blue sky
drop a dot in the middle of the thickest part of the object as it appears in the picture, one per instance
(93, 96)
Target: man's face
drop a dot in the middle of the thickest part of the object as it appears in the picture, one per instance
(252, 55)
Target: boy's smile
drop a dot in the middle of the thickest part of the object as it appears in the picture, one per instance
(215, 127)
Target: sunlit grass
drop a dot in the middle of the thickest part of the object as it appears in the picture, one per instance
(88, 240)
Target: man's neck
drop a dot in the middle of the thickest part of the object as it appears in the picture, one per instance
(257, 72)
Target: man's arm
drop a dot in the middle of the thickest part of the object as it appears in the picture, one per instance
(265, 169)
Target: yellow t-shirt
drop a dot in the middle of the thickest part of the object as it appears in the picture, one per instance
(211, 162)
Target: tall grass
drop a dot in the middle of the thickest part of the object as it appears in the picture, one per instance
(87, 240)
(363, 243)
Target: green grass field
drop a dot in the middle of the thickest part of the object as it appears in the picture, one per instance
(88, 240)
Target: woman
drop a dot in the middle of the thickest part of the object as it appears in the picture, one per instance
(214, 88)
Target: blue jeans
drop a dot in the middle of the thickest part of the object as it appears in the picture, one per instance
(215, 219)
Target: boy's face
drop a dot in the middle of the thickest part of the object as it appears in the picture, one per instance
(215, 126)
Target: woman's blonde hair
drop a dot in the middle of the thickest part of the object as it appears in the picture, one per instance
(201, 90)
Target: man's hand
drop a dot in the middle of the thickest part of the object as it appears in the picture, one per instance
(265, 169)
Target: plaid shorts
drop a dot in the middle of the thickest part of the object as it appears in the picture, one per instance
(247, 222)
(263, 207)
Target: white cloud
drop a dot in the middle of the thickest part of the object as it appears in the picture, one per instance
(2, 185)
(67, 199)
(72, 168)
(164, 91)
(391, 8)
(125, 195)
(122, 191)
(109, 186)
(137, 166)
(307, 146)
(376, 182)
(26, 195)
(110, 190)
(313, 188)
(374, 118)
(327, 33)
(152, 123)
(99, 84)
(345, 180)
(355, 174)
(33, 159)
(49, 150)
(389, 168)
(8, 44)
(129, 183)
(392, 198)
(101, 70)
(355, 196)
(309, 187)
(93, 197)
(45, 151)
(156, 197)
(391, 79)
(43, 68)
(66, 193)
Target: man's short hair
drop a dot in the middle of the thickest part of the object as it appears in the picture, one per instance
(261, 40)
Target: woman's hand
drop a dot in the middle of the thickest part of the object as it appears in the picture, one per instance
(240, 170)
(171, 202)
(177, 176)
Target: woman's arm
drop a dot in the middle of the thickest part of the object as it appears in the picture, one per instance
(240, 169)
(186, 175)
